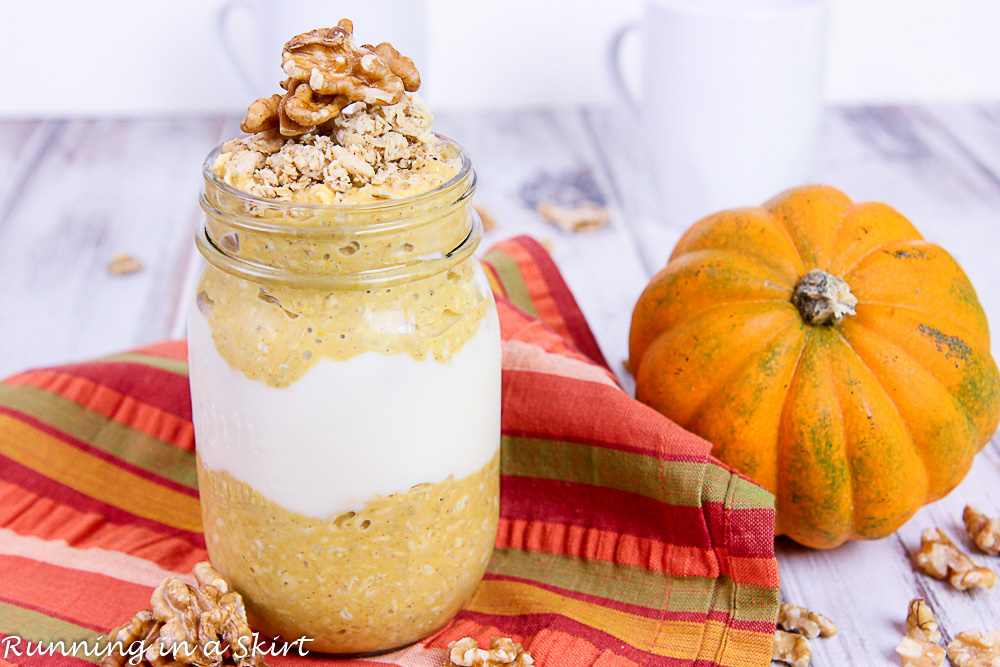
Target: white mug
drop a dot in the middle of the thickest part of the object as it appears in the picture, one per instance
(253, 32)
(730, 101)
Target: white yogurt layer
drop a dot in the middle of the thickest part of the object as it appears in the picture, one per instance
(348, 430)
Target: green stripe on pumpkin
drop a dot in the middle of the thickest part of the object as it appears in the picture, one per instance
(614, 469)
(172, 365)
(112, 437)
(509, 273)
(34, 627)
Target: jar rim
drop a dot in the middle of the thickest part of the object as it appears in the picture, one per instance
(324, 222)
(463, 173)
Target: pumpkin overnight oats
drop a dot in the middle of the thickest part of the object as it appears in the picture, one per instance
(344, 355)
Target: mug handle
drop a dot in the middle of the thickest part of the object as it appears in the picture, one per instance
(239, 69)
(615, 64)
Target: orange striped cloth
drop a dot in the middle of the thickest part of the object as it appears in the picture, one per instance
(621, 541)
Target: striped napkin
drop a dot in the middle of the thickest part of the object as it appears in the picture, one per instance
(621, 542)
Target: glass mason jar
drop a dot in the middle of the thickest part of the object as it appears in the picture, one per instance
(345, 379)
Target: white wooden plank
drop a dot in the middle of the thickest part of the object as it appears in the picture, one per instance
(98, 188)
(525, 158)
(900, 157)
(21, 145)
(78, 192)
(974, 127)
(624, 154)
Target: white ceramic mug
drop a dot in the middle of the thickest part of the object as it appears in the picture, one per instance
(730, 100)
(253, 32)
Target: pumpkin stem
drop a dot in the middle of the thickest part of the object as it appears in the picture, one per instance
(823, 298)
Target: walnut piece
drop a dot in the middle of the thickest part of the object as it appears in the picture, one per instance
(400, 65)
(791, 648)
(124, 263)
(975, 649)
(584, 217)
(984, 531)
(328, 59)
(121, 639)
(916, 652)
(920, 622)
(918, 648)
(941, 559)
(809, 623)
(327, 72)
(466, 653)
(204, 626)
(262, 114)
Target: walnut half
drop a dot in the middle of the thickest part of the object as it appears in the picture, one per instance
(984, 531)
(975, 649)
(940, 558)
(918, 648)
(204, 626)
(791, 648)
(503, 652)
(919, 653)
(920, 622)
(794, 618)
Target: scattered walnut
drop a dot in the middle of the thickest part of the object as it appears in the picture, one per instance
(918, 647)
(466, 653)
(974, 649)
(124, 263)
(919, 653)
(799, 619)
(941, 559)
(920, 622)
(489, 222)
(137, 629)
(200, 626)
(791, 648)
(984, 531)
(584, 217)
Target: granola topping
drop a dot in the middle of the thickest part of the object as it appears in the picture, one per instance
(353, 124)
(369, 153)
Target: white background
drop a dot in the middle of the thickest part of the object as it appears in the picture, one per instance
(123, 58)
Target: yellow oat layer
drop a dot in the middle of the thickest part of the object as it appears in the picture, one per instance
(276, 334)
(387, 575)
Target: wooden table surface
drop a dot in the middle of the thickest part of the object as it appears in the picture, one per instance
(74, 193)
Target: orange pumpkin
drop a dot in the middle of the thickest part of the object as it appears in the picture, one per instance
(828, 352)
